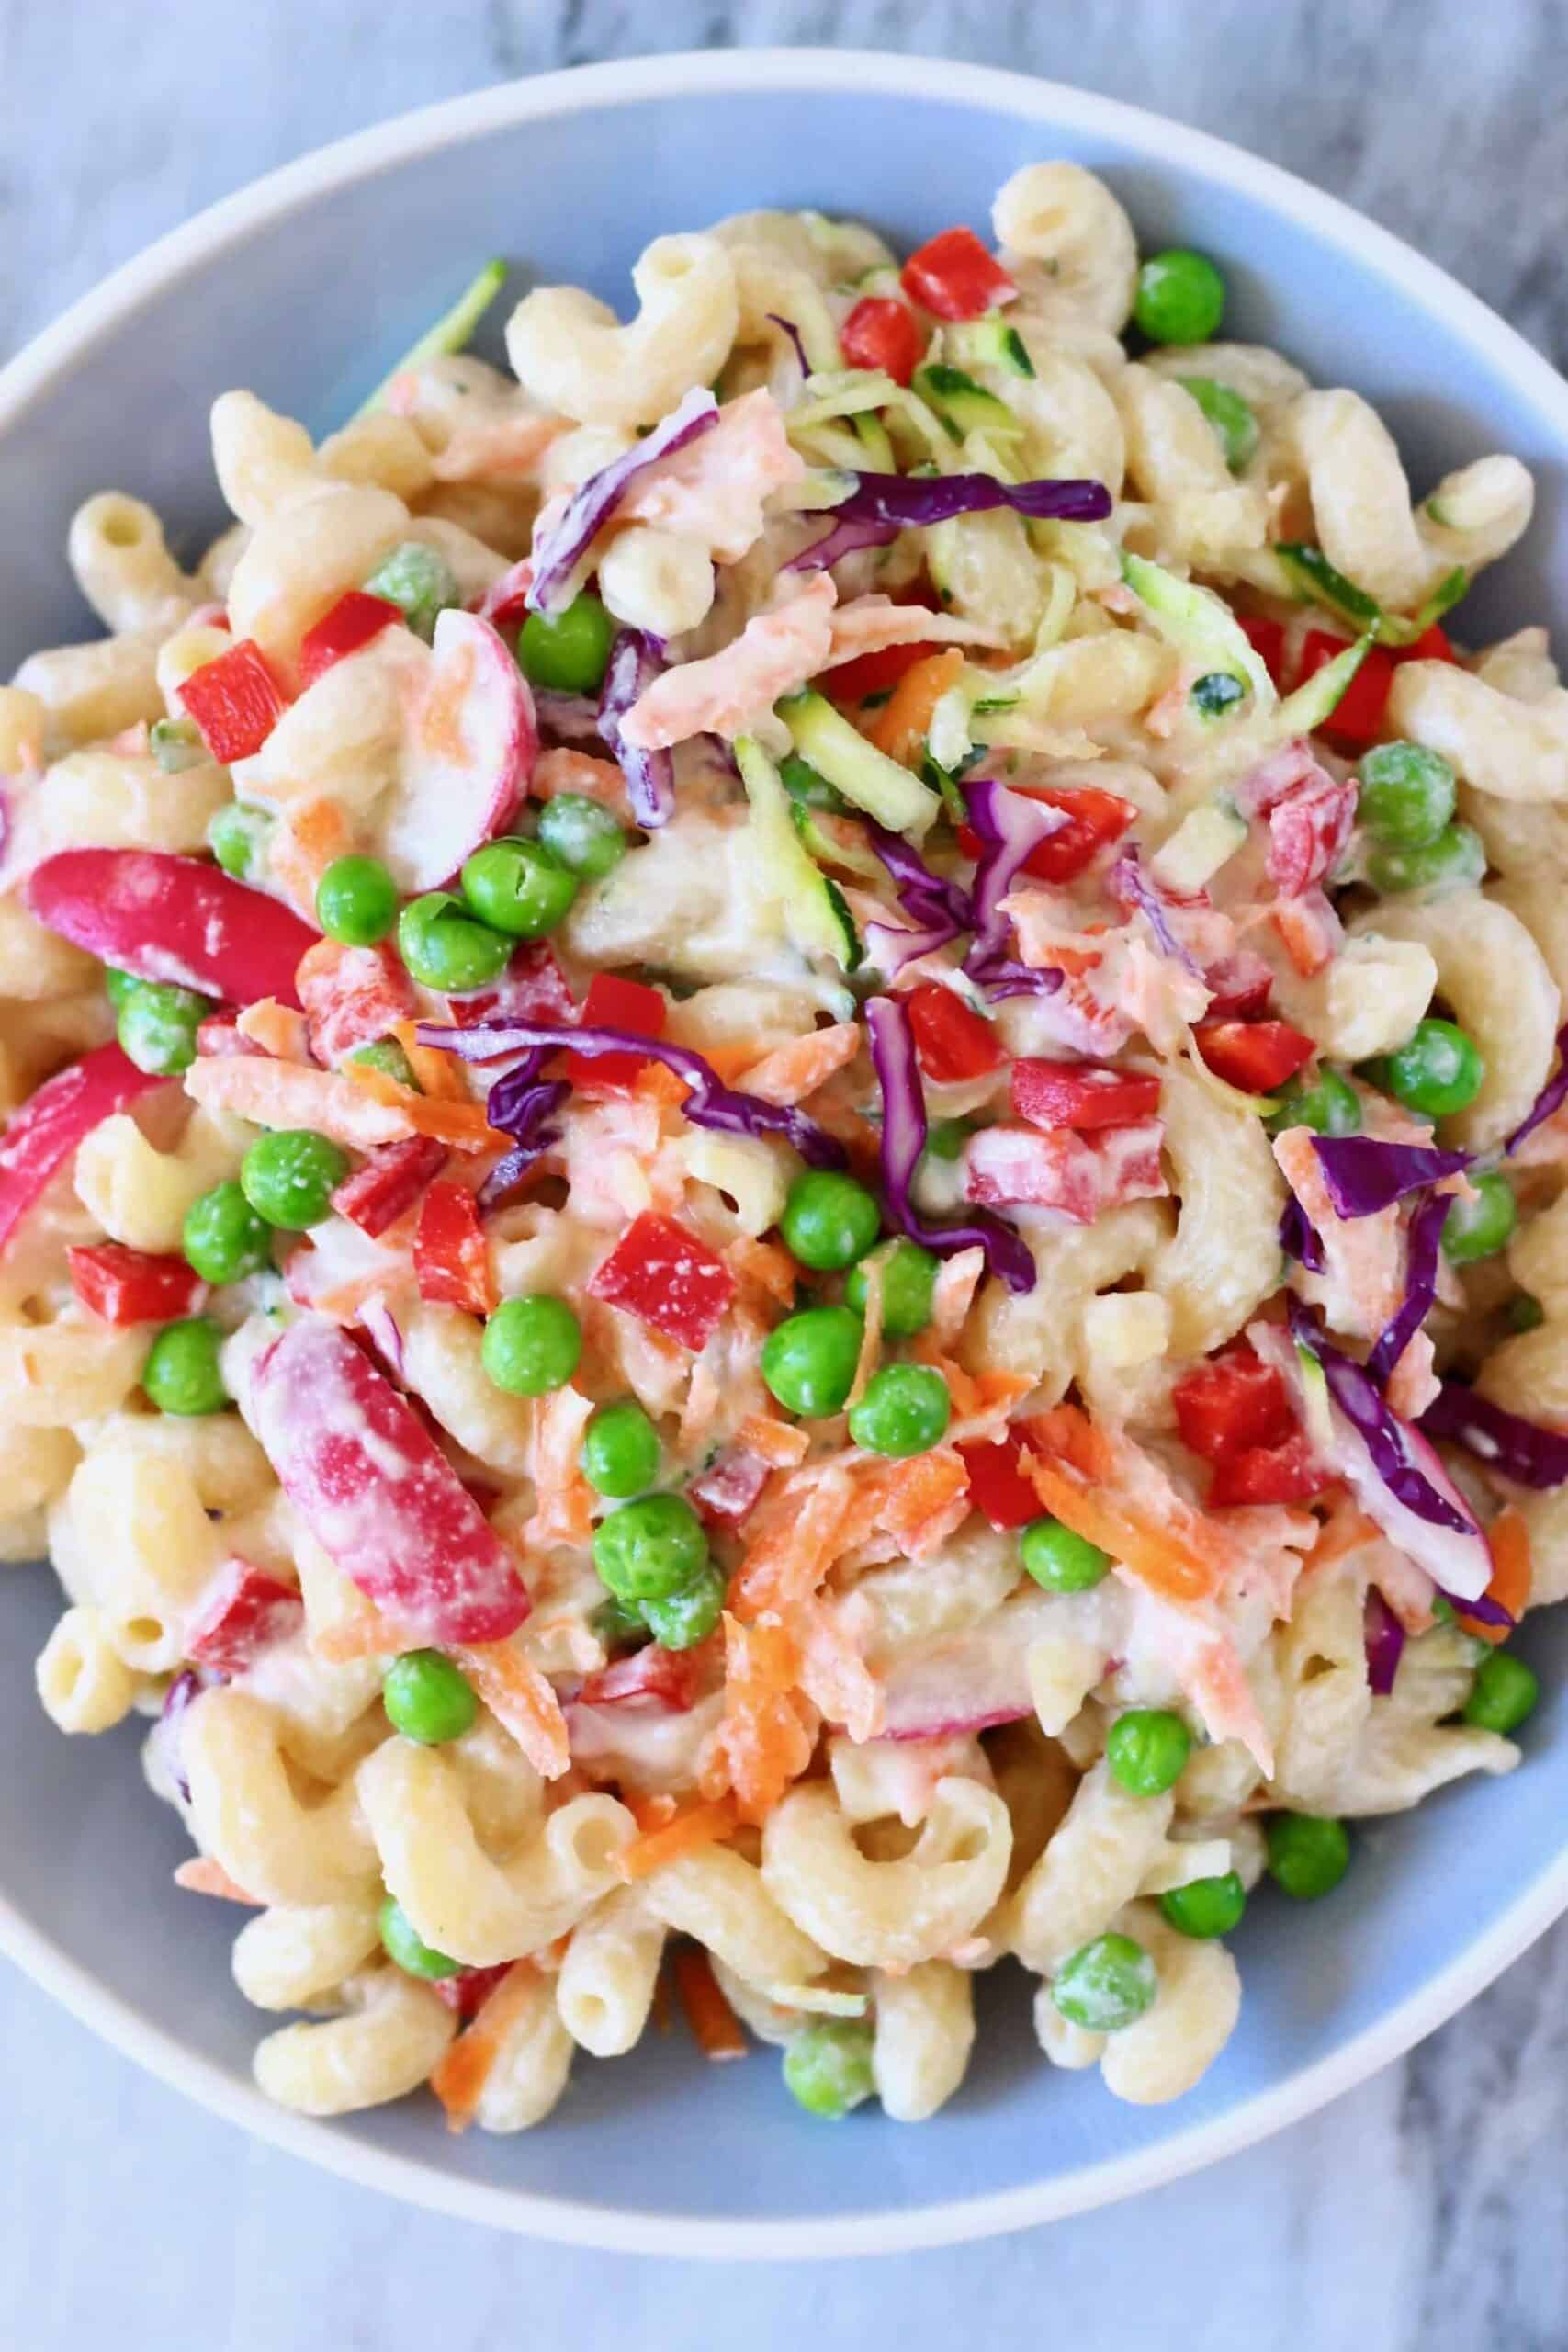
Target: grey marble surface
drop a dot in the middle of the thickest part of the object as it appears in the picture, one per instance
(1428, 2209)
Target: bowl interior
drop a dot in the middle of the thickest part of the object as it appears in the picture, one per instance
(309, 306)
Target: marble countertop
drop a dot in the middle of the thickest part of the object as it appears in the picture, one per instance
(1428, 2208)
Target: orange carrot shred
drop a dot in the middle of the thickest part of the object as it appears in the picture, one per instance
(1509, 1541)
(440, 1075)
(461, 1125)
(1072, 1465)
(798, 1546)
(466, 2064)
(694, 1826)
(792, 1073)
(522, 1702)
(201, 1875)
(714, 2027)
(781, 1443)
(903, 722)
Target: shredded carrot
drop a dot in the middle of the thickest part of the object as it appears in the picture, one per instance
(1074, 1466)
(904, 720)
(714, 2028)
(908, 1499)
(763, 1741)
(276, 1028)
(781, 1443)
(466, 2064)
(440, 1075)
(762, 1266)
(798, 1546)
(1344, 1529)
(792, 1073)
(201, 1875)
(369, 1636)
(302, 847)
(870, 1354)
(833, 1675)
(953, 1294)
(655, 1084)
(563, 1498)
(1508, 1539)
(650, 1812)
(461, 1125)
(523, 1703)
(694, 1827)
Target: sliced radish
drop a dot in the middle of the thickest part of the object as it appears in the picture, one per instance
(47, 1130)
(168, 917)
(468, 757)
(969, 1682)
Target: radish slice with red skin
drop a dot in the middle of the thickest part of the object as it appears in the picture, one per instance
(468, 759)
(167, 918)
(380, 1499)
(970, 1681)
(48, 1128)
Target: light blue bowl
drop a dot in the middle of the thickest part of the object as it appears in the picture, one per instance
(306, 288)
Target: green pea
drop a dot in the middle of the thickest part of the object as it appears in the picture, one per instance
(619, 1455)
(679, 1620)
(827, 2067)
(1205, 1907)
(650, 1549)
(1180, 297)
(1216, 692)
(1504, 1692)
(1147, 1749)
(157, 1026)
(386, 1055)
(176, 745)
(289, 1178)
(1105, 1985)
(1309, 1853)
(181, 1373)
(1438, 1071)
(1406, 795)
(618, 1625)
(428, 1698)
(519, 887)
(1231, 416)
(357, 901)
(569, 651)
(1443, 1611)
(1455, 861)
(1060, 1561)
(905, 1411)
(1330, 1105)
(809, 1360)
(222, 1237)
(443, 946)
(406, 1950)
(532, 1345)
(421, 583)
(1480, 1227)
(945, 1138)
(237, 834)
(803, 784)
(828, 1220)
(1526, 1313)
(909, 1277)
(118, 986)
(584, 836)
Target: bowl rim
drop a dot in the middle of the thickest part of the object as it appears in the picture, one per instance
(785, 71)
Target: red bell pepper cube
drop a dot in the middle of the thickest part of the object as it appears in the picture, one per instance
(1360, 714)
(1232, 1404)
(998, 1488)
(872, 673)
(532, 987)
(1256, 1056)
(1239, 985)
(727, 1493)
(954, 277)
(352, 996)
(953, 1042)
(353, 621)
(1082, 1094)
(881, 332)
(1287, 1473)
(664, 1275)
(1080, 1175)
(655, 1682)
(168, 917)
(467, 1992)
(612, 1003)
(451, 1256)
(44, 1132)
(1432, 645)
(235, 701)
(1267, 641)
(386, 1186)
(246, 1612)
(1308, 829)
(1095, 819)
(121, 1285)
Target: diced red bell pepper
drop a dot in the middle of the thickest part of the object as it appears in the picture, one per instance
(1232, 1404)
(532, 987)
(881, 332)
(954, 277)
(168, 917)
(1082, 1094)
(1095, 819)
(44, 1132)
(612, 1003)
(998, 1488)
(352, 996)
(1239, 985)
(1359, 715)
(377, 1494)
(1267, 641)
(725, 1494)
(235, 701)
(121, 1285)
(1079, 1175)
(1256, 1056)
(872, 673)
(1432, 645)
(664, 1274)
(952, 1043)
(467, 1992)
(246, 1612)
(1308, 829)
(1287, 1472)
(451, 1256)
(388, 1184)
(353, 621)
(657, 1682)
(1309, 930)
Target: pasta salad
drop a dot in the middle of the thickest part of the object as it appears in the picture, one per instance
(783, 1199)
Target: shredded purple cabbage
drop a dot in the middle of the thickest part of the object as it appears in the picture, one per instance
(1131, 886)
(925, 897)
(380, 1326)
(1507, 1442)
(911, 502)
(904, 1139)
(844, 539)
(1550, 1099)
(1395, 1448)
(1420, 1285)
(592, 505)
(566, 718)
(890, 948)
(1363, 1174)
(1011, 827)
(1004, 976)
(792, 331)
(1484, 1609)
(636, 660)
(1384, 1638)
(522, 1105)
(709, 1103)
(185, 1686)
(1298, 1238)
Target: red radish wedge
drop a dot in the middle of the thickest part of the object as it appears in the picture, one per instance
(971, 1680)
(384, 1504)
(168, 917)
(47, 1130)
(468, 757)
(246, 1612)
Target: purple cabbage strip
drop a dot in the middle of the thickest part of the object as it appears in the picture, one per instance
(904, 1139)
(1550, 1099)
(566, 718)
(1516, 1449)
(1363, 1174)
(1484, 1609)
(710, 1103)
(522, 1105)
(1384, 1638)
(1298, 1238)
(925, 897)
(792, 331)
(379, 1325)
(1420, 1285)
(1011, 827)
(592, 505)
(1004, 976)
(843, 539)
(1130, 886)
(185, 1686)
(634, 663)
(911, 502)
(1386, 1437)
(889, 948)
